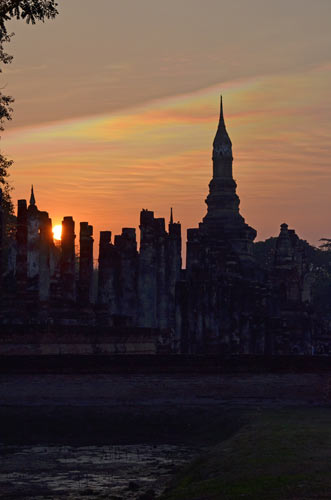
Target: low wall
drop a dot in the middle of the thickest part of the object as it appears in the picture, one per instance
(76, 341)
(168, 364)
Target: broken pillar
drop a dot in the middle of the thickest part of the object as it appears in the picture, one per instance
(67, 264)
(85, 264)
(21, 239)
(126, 246)
(147, 273)
(108, 283)
(174, 265)
(46, 242)
(162, 317)
(105, 241)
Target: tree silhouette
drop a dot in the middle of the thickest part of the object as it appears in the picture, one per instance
(326, 245)
(30, 11)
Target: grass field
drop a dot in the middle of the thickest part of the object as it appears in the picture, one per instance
(276, 455)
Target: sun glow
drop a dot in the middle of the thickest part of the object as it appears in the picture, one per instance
(57, 232)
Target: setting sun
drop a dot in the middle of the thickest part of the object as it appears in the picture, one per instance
(57, 232)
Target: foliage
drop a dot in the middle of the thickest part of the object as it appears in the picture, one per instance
(7, 204)
(4, 166)
(326, 245)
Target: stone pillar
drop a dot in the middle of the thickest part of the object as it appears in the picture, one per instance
(126, 245)
(108, 283)
(68, 259)
(46, 242)
(174, 265)
(105, 241)
(147, 274)
(33, 247)
(161, 238)
(85, 264)
(21, 238)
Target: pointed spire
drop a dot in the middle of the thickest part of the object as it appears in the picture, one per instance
(222, 140)
(221, 111)
(32, 198)
(171, 216)
(221, 122)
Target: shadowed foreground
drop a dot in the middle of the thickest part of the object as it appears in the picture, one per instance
(124, 436)
(278, 455)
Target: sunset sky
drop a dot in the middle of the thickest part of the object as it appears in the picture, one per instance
(116, 107)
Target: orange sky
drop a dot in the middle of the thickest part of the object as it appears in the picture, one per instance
(102, 138)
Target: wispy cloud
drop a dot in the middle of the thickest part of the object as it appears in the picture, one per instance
(105, 168)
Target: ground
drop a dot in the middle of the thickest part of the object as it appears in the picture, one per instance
(126, 436)
(277, 455)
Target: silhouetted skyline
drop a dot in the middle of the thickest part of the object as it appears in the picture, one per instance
(115, 110)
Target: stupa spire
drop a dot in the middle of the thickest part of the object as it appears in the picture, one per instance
(222, 143)
(223, 216)
(221, 111)
(171, 216)
(32, 198)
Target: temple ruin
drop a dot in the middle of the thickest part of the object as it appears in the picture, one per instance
(145, 300)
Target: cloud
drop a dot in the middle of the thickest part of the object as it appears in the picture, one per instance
(105, 168)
